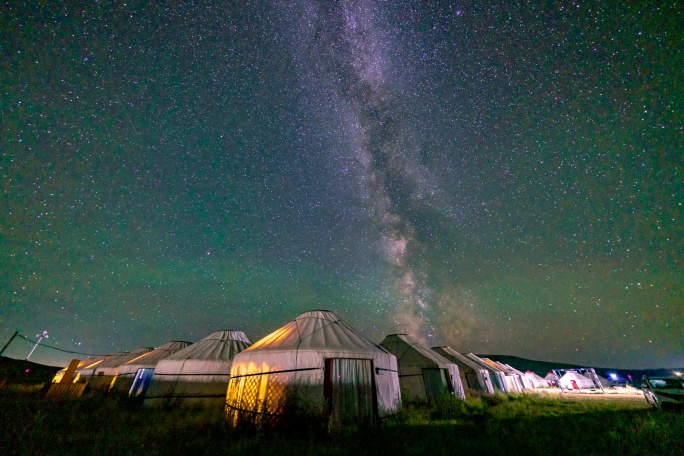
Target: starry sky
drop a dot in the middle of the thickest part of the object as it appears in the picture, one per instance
(503, 177)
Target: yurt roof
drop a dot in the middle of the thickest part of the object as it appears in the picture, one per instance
(460, 359)
(123, 357)
(220, 345)
(152, 357)
(315, 330)
(408, 349)
(482, 363)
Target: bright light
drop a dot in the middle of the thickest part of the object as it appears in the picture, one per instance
(613, 376)
(678, 374)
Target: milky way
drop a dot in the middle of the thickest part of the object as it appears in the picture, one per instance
(501, 178)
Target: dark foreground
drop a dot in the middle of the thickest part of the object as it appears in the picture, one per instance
(527, 425)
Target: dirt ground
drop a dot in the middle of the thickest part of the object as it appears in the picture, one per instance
(637, 399)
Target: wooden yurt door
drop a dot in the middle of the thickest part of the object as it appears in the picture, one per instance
(350, 391)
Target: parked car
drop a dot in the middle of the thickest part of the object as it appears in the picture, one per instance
(663, 392)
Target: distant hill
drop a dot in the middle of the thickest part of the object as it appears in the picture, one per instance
(26, 372)
(543, 367)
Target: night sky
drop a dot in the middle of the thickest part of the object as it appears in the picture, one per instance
(501, 178)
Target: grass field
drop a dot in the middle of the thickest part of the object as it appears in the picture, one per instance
(526, 425)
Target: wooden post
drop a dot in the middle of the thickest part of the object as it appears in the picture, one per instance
(69, 374)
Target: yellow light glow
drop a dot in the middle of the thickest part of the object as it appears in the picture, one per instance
(135, 359)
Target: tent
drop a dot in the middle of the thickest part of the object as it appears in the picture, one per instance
(423, 373)
(473, 376)
(536, 380)
(133, 377)
(576, 381)
(497, 377)
(315, 366)
(106, 371)
(198, 374)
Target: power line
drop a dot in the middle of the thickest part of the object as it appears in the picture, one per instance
(60, 349)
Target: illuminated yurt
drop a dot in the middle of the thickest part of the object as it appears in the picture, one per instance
(197, 375)
(134, 376)
(315, 366)
(423, 374)
(106, 371)
(473, 377)
(84, 371)
(575, 381)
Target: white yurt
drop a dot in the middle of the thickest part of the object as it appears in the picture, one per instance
(314, 366)
(197, 375)
(497, 377)
(105, 372)
(474, 378)
(134, 376)
(423, 373)
(576, 381)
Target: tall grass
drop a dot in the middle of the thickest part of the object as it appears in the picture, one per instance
(531, 425)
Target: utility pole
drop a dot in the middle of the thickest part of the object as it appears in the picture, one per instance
(40, 337)
(9, 342)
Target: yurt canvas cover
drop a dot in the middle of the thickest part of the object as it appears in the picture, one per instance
(106, 371)
(572, 380)
(497, 377)
(423, 373)
(315, 365)
(198, 374)
(138, 371)
(473, 376)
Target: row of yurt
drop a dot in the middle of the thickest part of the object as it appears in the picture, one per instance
(134, 376)
(474, 378)
(315, 366)
(105, 372)
(497, 377)
(423, 373)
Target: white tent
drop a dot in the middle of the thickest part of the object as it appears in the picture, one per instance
(536, 380)
(575, 381)
(423, 373)
(497, 377)
(473, 376)
(133, 377)
(106, 371)
(314, 366)
(198, 374)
